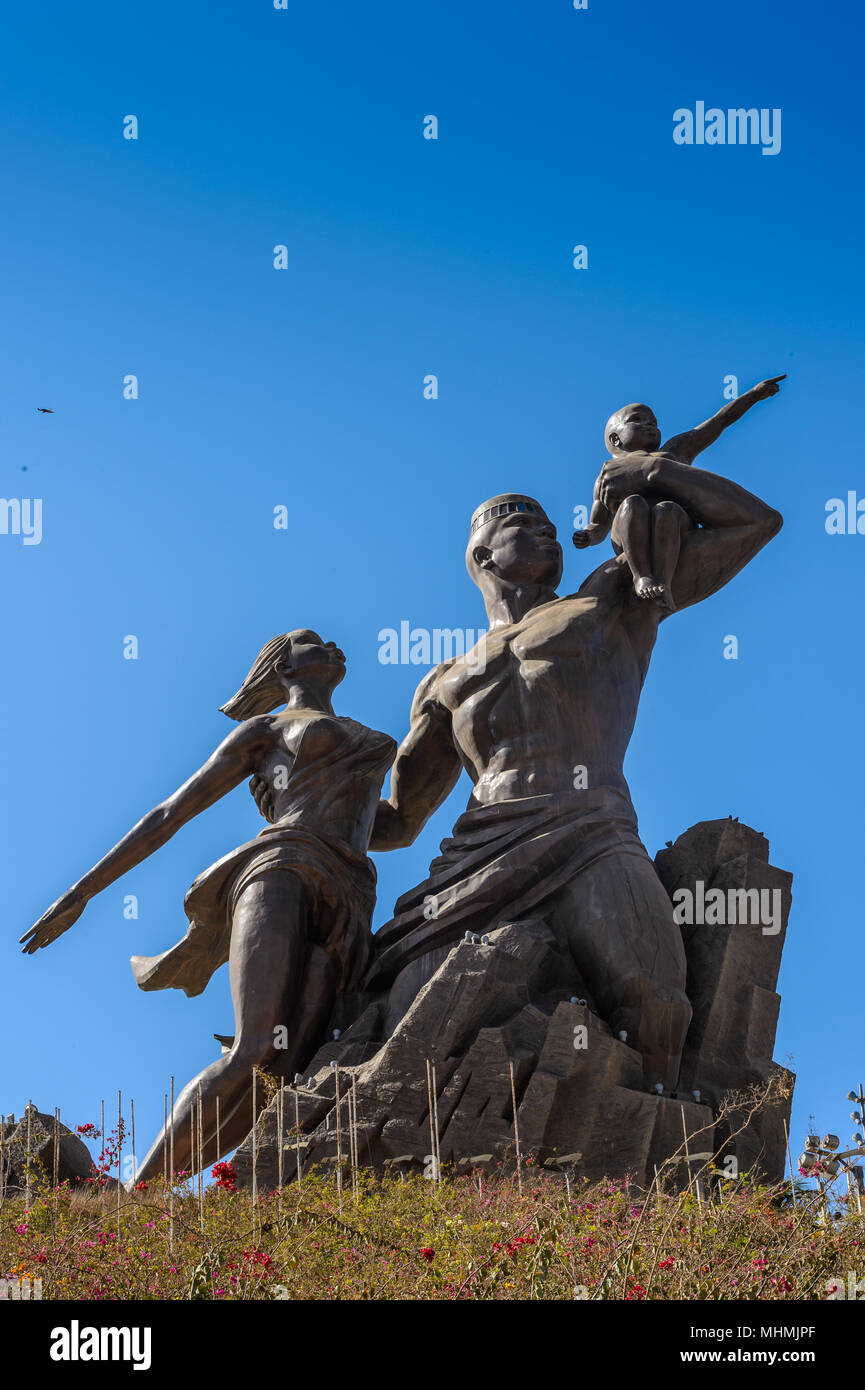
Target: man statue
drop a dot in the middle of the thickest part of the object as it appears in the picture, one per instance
(541, 721)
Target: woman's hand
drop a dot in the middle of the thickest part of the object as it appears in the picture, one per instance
(58, 919)
(262, 795)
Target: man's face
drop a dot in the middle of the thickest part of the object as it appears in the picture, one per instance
(522, 549)
(636, 428)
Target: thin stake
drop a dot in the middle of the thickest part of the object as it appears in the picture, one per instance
(350, 1136)
(297, 1134)
(165, 1142)
(29, 1108)
(435, 1097)
(218, 1139)
(254, 1148)
(201, 1156)
(516, 1132)
(171, 1176)
(102, 1175)
(352, 1157)
(280, 1114)
(430, 1109)
(56, 1144)
(688, 1160)
(790, 1161)
(338, 1141)
(192, 1148)
(119, 1159)
(356, 1167)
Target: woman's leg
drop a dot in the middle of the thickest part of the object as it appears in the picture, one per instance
(267, 965)
(314, 1008)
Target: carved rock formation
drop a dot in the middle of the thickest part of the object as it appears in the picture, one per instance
(516, 997)
(74, 1162)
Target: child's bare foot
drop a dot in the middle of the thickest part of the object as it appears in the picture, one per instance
(648, 587)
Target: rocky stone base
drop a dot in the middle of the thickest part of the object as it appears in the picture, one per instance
(514, 999)
(733, 966)
(74, 1162)
(579, 1091)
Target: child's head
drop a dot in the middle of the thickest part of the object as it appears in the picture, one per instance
(632, 428)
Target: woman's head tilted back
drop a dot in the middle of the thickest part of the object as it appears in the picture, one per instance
(291, 658)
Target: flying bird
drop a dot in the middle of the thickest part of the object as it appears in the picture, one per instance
(43, 409)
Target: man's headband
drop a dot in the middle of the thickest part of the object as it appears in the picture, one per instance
(502, 506)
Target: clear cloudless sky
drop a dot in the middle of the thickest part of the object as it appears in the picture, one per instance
(303, 387)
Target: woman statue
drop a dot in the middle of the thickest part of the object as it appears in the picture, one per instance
(290, 911)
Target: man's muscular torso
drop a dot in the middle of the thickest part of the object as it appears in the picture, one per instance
(554, 692)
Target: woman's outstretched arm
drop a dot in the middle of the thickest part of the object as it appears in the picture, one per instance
(234, 759)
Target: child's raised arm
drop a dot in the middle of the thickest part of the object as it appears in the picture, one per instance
(684, 448)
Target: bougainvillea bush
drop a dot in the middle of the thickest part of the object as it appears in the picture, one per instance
(465, 1237)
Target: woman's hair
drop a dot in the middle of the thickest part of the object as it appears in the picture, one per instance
(262, 690)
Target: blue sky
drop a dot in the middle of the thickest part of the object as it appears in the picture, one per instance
(303, 387)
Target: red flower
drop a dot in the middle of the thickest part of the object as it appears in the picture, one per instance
(225, 1176)
(520, 1240)
(428, 1254)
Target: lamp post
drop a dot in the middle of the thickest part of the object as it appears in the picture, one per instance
(825, 1158)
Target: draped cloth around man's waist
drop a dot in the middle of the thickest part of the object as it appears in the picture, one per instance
(503, 861)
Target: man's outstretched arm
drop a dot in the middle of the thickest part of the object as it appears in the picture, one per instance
(686, 447)
(425, 771)
(735, 523)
